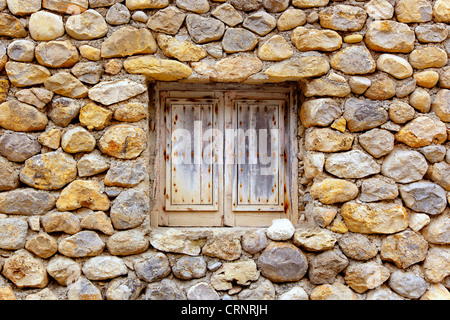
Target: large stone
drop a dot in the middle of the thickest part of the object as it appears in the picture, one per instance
(298, 68)
(324, 267)
(180, 50)
(64, 270)
(381, 218)
(63, 111)
(314, 239)
(42, 245)
(377, 142)
(275, 49)
(440, 173)
(131, 112)
(167, 20)
(441, 105)
(128, 41)
(225, 246)
(431, 33)
(17, 116)
(441, 11)
(38, 97)
(104, 268)
(10, 178)
(328, 140)
(13, 232)
(242, 273)
(357, 246)
(125, 174)
(382, 88)
(401, 112)
(353, 60)
(82, 193)
(158, 69)
(409, 11)
(437, 264)
(238, 40)
(390, 36)
(66, 6)
(202, 29)
(309, 3)
(363, 114)
(353, 164)
(260, 23)
(25, 74)
(95, 117)
(319, 112)
(404, 248)
(25, 271)
(438, 230)
(254, 242)
(152, 266)
(313, 39)
(394, 65)
(202, 291)
(67, 85)
(146, 4)
(49, 171)
(343, 18)
(176, 241)
(280, 230)
(57, 54)
(408, 284)
(83, 289)
(428, 57)
(118, 14)
(26, 202)
(86, 26)
(23, 8)
(376, 189)
(10, 26)
(129, 209)
(126, 289)
(78, 140)
(110, 92)
(18, 147)
(81, 244)
(21, 50)
(166, 289)
(197, 6)
(290, 19)
(331, 191)
(422, 131)
(282, 262)
(56, 221)
(404, 166)
(97, 220)
(125, 243)
(332, 84)
(424, 196)
(123, 141)
(228, 14)
(46, 26)
(234, 69)
(91, 164)
(365, 276)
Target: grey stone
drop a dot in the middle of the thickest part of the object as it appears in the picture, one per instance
(26, 202)
(254, 242)
(21, 50)
(404, 166)
(83, 289)
(91, 164)
(202, 291)
(246, 5)
(88, 72)
(63, 111)
(357, 246)
(282, 262)
(424, 197)
(238, 39)
(124, 289)
(438, 230)
(118, 14)
(260, 290)
(431, 32)
(377, 142)
(383, 292)
(353, 164)
(365, 276)
(260, 23)
(18, 147)
(167, 289)
(104, 268)
(226, 13)
(81, 244)
(111, 92)
(275, 5)
(187, 268)
(343, 18)
(408, 284)
(129, 209)
(13, 232)
(197, 6)
(10, 178)
(364, 114)
(152, 266)
(203, 29)
(64, 270)
(167, 20)
(319, 112)
(353, 60)
(125, 243)
(376, 189)
(324, 267)
(125, 174)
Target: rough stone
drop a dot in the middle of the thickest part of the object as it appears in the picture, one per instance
(21, 50)
(55, 221)
(86, 26)
(309, 4)
(242, 273)
(352, 165)
(238, 40)
(128, 41)
(441, 11)
(17, 116)
(202, 291)
(181, 50)
(10, 26)
(66, 6)
(314, 239)
(158, 69)
(125, 243)
(331, 191)
(81, 244)
(123, 141)
(254, 242)
(436, 264)
(42, 245)
(376, 189)
(83, 289)
(434, 153)
(382, 88)
(45, 26)
(428, 57)
(404, 248)
(377, 142)
(332, 85)
(365, 276)
(67, 85)
(401, 112)
(63, 111)
(152, 266)
(280, 230)
(328, 140)
(25, 271)
(319, 112)
(18, 147)
(260, 23)
(13, 232)
(203, 29)
(246, 5)
(225, 246)
(104, 268)
(379, 9)
(168, 20)
(49, 171)
(434, 33)
(87, 72)
(91, 164)
(438, 230)
(343, 18)
(363, 114)
(420, 99)
(436, 292)
(118, 14)
(97, 220)
(38, 97)
(95, 117)
(418, 220)
(409, 11)
(359, 84)
(82, 193)
(24, 74)
(125, 174)
(424, 197)
(110, 92)
(353, 60)
(408, 284)
(298, 68)
(146, 4)
(64, 270)
(10, 178)
(312, 39)
(197, 6)
(131, 112)
(23, 8)
(129, 209)
(124, 289)
(57, 54)
(335, 291)
(187, 268)
(390, 36)
(228, 14)
(290, 19)
(282, 262)
(90, 52)
(441, 106)
(26, 202)
(324, 267)
(381, 217)
(394, 65)
(176, 241)
(78, 140)
(422, 131)
(357, 246)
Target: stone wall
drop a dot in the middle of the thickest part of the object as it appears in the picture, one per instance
(77, 146)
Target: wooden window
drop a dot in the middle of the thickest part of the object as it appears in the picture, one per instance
(227, 156)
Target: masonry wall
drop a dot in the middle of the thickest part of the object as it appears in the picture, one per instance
(77, 146)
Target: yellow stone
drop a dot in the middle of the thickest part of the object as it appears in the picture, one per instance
(339, 124)
(331, 191)
(441, 11)
(339, 226)
(90, 53)
(426, 79)
(4, 89)
(421, 132)
(50, 139)
(158, 69)
(81, 193)
(181, 50)
(313, 39)
(95, 117)
(128, 41)
(18, 116)
(275, 49)
(353, 38)
(298, 68)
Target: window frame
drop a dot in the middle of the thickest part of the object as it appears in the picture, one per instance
(224, 94)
